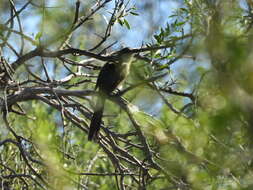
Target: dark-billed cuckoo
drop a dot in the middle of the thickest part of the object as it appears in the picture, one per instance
(111, 76)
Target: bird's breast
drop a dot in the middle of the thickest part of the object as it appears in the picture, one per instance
(123, 70)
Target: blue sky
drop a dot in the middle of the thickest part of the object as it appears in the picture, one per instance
(140, 25)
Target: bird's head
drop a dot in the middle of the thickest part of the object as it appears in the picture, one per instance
(125, 55)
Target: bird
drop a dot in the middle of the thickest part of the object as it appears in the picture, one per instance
(111, 76)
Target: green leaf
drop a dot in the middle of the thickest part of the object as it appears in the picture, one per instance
(127, 24)
(163, 67)
(121, 22)
(179, 23)
(157, 38)
(133, 13)
(162, 32)
(167, 29)
(184, 10)
(38, 36)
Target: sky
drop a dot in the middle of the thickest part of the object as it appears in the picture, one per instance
(140, 25)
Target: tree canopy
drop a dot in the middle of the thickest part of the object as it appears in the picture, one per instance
(183, 119)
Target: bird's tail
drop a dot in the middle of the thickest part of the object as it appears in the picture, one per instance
(96, 118)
